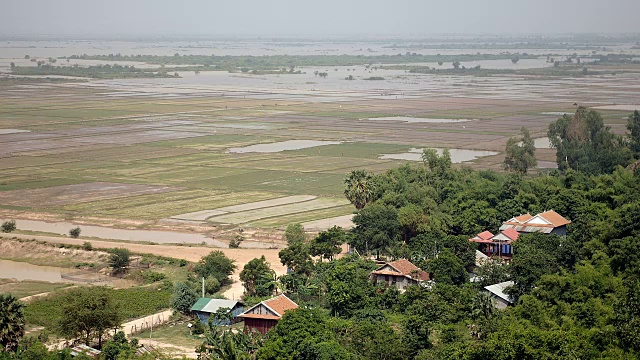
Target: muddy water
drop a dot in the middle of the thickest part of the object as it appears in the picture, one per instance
(281, 146)
(457, 155)
(155, 236)
(410, 119)
(24, 271)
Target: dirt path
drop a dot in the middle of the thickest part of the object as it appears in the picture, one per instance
(144, 323)
(173, 349)
(189, 253)
(27, 299)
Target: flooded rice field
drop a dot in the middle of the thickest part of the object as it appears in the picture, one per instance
(12, 131)
(457, 155)
(281, 146)
(410, 119)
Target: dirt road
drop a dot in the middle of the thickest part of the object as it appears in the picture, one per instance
(189, 253)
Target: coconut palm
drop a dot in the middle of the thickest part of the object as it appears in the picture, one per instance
(358, 188)
(11, 322)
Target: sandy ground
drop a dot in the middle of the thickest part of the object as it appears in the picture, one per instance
(189, 253)
(324, 224)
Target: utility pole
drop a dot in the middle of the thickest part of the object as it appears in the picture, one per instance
(203, 286)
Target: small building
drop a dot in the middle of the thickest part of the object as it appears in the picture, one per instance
(400, 273)
(496, 245)
(86, 350)
(265, 315)
(548, 222)
(205, 307)
(500, 299)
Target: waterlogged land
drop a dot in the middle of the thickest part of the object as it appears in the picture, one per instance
(198, 151)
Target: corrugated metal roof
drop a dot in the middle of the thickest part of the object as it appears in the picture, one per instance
(212, 305)
(200, 304)
(498, 290)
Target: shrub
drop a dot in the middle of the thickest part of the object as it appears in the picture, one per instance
(75, 232)
(87, 246)
(8, 226)
(235, 242)
(150, 276)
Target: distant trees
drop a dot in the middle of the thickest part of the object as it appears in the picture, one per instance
(584, 143)
(216, 264)
(11, 322)
(515, 59)
(9, 226)
(456, 65)
(295, 233)
(520, 153)
(323, 75)
(88, 313)
(257, 277)
(327, 244)
(358, 188)
(633, 125)
(236, 241)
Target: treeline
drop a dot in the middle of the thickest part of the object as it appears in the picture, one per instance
(269, 62)
(96, 72)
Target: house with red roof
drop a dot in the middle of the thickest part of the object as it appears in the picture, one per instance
(265, 315)
(400, 274)
(548, 222)
(500, 245)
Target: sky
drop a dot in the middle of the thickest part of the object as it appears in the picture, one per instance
(316, 18)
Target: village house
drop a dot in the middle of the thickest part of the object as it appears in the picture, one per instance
(500, 299)
(500, 245)
(548, 222)
(400, 274)
(205, 307)
(265, 315)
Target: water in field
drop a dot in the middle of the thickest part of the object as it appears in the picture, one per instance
(542, 143)
(410, 119)
(457, 155)
(281, 146)
(12, 131)
(153, 236)
(554, 113)
(24, 271)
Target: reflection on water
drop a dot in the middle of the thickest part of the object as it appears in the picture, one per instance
(410, 119)
(457, 155)
(281, 146)
(24, 271)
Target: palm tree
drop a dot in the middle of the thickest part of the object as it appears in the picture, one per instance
(11, 322)
(482, 305)
(358, 188)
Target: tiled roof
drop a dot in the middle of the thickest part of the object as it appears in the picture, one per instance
(554, 218)
(280, 304)
(511, 233)
(524, 217)
(485, 235)
(405, 268)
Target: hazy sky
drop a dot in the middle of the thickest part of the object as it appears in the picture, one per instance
(327, 17)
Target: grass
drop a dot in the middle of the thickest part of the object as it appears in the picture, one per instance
(22, 289)
(135, 302)
(176, 334)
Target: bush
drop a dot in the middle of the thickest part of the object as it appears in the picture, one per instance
(75, 232)
(211, 285)
(8, 226)
(119, 260)
(87, 246)
(150, 276)
(235, 242)
(183, 298)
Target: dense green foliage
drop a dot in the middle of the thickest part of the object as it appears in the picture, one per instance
(258, 278)
(87, 314)
(520, 153)
(8, 226)
(11, 322)
(114, 71)
(585, 144)
(183, 298)
(119, 260)
(134, 302)
(217, 265)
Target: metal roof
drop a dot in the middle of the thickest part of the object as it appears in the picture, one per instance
(498, 290)
(212, 305)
